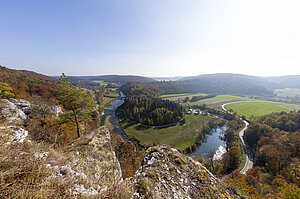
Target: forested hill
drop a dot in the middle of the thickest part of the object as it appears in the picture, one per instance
(227, 84)
(84, 83)
(291, 81)
(26, 83)
(118, 78)
(215, 83)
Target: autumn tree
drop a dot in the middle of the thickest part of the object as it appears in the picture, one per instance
(78, 104)
(6, 91)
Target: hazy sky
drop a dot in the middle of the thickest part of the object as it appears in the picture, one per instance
(151, 37)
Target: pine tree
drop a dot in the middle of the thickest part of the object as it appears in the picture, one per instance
(78, 104)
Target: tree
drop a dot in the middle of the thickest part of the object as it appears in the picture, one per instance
(6, 91)
(231, 159)
(79, 105)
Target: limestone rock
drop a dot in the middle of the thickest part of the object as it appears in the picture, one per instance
(23, 104)
(10, 113)
(166, 173)
(93, 161)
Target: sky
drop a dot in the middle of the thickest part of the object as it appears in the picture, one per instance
(151, 37)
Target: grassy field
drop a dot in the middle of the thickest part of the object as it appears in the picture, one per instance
(259, 108)
(107, 101)
(179, 136)
(109, 97)
(220, 99)
(180, 96)
(174, 95)
(112, 93)
(102, 83)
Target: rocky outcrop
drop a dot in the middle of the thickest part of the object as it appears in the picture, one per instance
(24, 105)
(10, 113)
(93, 166)
(56, 110)
(166, 173)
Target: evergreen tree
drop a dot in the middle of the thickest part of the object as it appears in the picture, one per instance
(79, 105)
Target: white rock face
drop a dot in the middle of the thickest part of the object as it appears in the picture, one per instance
(80, 189)
(15, 134)
(10, 113)
(92, 160)
(167, 174)
(23, 104)
(57, 110)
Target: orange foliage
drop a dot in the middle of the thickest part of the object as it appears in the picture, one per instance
(26, 83)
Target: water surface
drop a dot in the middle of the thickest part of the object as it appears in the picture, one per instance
(213, 142)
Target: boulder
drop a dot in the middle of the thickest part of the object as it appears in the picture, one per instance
(10, 113)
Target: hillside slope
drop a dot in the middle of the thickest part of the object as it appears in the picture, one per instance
(226, 83)
(27, 83)
(291, 81)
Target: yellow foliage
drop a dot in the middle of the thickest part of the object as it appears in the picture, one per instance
(244, 187)
(290, 191)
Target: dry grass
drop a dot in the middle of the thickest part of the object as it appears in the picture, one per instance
(29, 169)
(22, 175)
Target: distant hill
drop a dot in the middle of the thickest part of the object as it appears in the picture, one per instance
(121, 79)
(26, 83)
(168, 78)
(227, 83)
(291, 81)
(77, 81)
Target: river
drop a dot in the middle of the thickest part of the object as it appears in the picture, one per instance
(113, 119)
(213, 142)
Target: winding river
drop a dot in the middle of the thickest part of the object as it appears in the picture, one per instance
(113, 119)
(213, 142)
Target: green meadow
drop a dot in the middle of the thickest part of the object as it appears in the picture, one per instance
(221, 98)
(174, 97)
(179, 136)
(101, 82)
(259, 108)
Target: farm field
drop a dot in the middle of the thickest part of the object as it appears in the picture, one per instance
(174, 97)
(179, 136)
(259, 108)
(102, 83)
(221, 99)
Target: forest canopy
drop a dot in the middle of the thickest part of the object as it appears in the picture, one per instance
(142, 105)
(276, 138)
